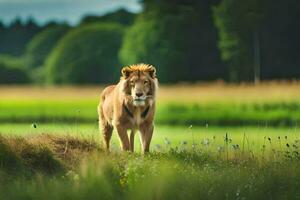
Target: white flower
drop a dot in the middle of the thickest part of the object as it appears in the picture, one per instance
(220, 148)
(205, 142)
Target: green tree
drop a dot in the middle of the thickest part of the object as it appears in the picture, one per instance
(1, 24)
(120, 16)
(87, 54)
(259, 38)
(11, 72)
(238, 23)
(14, 38)
(280, 41)
(178, 37)
(42, 43)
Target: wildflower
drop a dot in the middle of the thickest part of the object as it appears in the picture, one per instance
(238, 192)
(76, 177)
(205, 142)
(34, 125)
(235, 146)
(167, 141)
(184, 142)
(226, 137)
(220, 148)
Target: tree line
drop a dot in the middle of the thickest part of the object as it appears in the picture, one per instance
(187, 40)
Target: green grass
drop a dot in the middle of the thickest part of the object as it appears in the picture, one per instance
(125, 177)
(56, 166)
(61, 111)
(66, 161)
(256, 140)
(85, 111)
(227, 142)
(231, 114)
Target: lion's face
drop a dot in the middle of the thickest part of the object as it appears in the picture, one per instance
(139, 87)
(140, 83)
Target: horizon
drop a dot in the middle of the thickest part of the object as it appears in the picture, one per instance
(65, 11)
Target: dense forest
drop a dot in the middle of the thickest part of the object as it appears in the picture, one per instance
(187, 40)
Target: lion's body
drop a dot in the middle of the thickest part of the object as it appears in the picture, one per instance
(118, 109)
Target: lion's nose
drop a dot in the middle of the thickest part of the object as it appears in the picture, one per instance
(139, 94)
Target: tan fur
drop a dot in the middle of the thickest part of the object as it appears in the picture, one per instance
(130, 105)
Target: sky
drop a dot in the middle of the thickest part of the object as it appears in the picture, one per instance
(70, 11)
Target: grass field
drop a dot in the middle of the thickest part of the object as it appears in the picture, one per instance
(74, 166)
(275, 104)
(211, 141)
(256, 140)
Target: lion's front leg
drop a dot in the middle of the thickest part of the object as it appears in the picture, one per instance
(146, 136)
(132, 133)
(124, 140)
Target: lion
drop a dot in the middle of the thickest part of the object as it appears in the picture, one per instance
(130, 105)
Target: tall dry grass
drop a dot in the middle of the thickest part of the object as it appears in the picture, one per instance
(201, 92)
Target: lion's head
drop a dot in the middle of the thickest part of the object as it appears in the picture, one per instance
(140, 82)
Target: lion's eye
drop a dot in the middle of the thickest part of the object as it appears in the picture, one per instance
(145, 82)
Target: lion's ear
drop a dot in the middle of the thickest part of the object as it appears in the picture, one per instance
(152, 72)
(126, 72)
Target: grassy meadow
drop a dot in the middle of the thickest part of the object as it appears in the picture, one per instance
(211, 141)
(275, 104)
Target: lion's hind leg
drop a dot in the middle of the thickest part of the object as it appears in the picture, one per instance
(106, 130)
